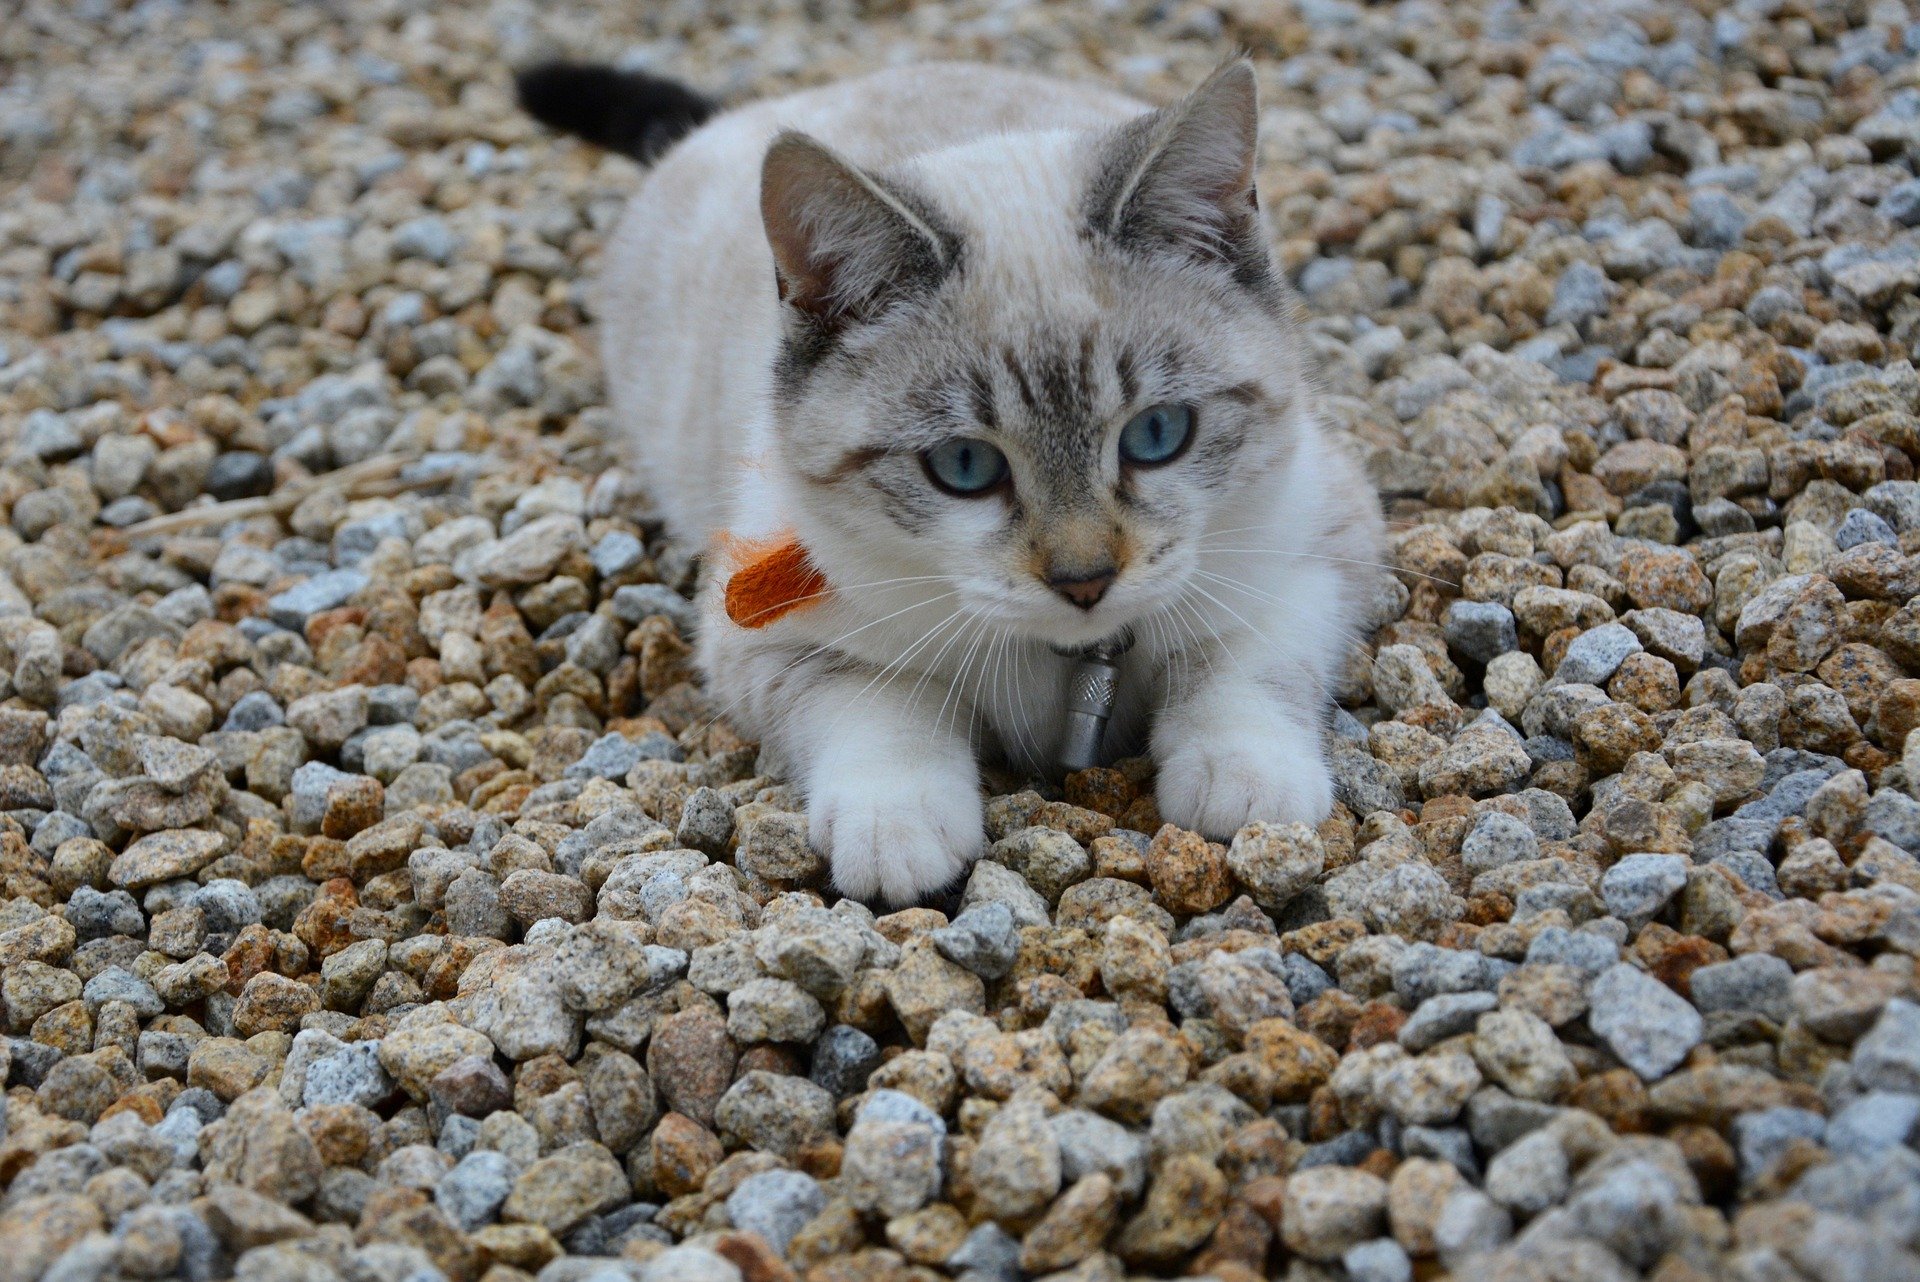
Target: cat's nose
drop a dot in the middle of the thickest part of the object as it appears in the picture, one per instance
(1084, 590)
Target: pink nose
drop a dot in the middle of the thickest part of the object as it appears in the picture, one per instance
(1083, 590)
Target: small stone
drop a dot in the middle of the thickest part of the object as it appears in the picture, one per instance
(1758, 983)
(1448, 1015)
(1762, 1136)
(925, 986)
(532, 895)
(891, 1167)
(1331, 1209)
(1496, 840)
(775, 847)
(1873, 1123)
(564, 1188)
(775, 1204)
(258, 1144)
(473, 1086)
(416, 1054)
(1016, 1168)
(1381, 1260)
(1518, 1050)
(528, 555)
(1074, 1226)
(1138, 1068)
(1530, 1175)
(349, 1076)
(683, 1154)
(1485, 758)
(1470, 1224)
(984, 939)
(1888, 1057)
(842, 1058)
(1184, 1204)
(1276, 862)
(774, 1113)
(773, 1010)
(1189, 873)
(691, 1060)
(1642, 1021)
(1048, 860)
(1638, 886)
(1428, 1090)
(273, 1002)
(1595, 655)
(473, 1192)
(164, 856)
(1480, 631)
(329, 591)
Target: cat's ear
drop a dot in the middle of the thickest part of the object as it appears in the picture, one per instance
(845, 245)
(1181, 178)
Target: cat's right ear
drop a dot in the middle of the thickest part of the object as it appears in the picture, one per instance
(845, 245)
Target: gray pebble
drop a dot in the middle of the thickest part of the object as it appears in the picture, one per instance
(1480, 630)
(1649, 1026)
(473, 1191)
(776, 1205)
(984, 939)
(1596, 654)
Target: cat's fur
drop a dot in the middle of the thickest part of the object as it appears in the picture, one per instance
(971, 251)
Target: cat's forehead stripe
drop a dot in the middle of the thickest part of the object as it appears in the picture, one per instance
(1011, 359)
(980, 390)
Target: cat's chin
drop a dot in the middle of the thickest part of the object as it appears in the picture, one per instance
(1093, 633)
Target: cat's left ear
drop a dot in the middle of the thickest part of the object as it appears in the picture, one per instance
(1181, 178)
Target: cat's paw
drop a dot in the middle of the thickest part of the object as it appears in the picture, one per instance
(1217, 787)
(899, 837)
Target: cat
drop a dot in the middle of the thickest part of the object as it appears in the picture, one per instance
(1010, 359)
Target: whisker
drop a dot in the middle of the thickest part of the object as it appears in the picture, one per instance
(1184, 609)
(1164, 642)
(932, 666)
(1343, 560)
(1316, 682)
(956, 689)
(815, 652)
(1025, 725)
(1255, 593)
(898, 661)
(991, 676)
(1227, 650)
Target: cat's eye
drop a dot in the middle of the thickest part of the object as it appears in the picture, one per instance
(966, 465)
(1156, 435)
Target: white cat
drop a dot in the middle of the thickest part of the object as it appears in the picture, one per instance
(1010, 359)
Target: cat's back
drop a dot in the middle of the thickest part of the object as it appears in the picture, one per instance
(689, 313)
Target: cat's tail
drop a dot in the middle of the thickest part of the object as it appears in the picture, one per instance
(630, 112)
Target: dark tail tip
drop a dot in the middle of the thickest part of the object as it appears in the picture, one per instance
(630, 112)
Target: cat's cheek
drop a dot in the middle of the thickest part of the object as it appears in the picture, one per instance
(1218, 786)
(901, 837)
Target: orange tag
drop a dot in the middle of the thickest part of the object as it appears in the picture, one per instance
(772, 581)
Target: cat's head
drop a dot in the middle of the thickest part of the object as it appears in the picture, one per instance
(1037, 368)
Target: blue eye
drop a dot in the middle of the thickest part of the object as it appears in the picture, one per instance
(1156, 435)
(965, 465)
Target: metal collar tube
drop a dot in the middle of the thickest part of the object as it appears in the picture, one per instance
(1093, 687)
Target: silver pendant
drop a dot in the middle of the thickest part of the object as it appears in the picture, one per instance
(1093, 687)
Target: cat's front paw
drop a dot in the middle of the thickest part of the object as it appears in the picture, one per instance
(900, 837)
(1218, 787)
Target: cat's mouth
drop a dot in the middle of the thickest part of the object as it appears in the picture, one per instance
(1050, 622)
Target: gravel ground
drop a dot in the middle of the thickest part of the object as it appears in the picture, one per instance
(381, 900)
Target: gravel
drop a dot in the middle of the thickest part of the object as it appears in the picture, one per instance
(383, 898)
